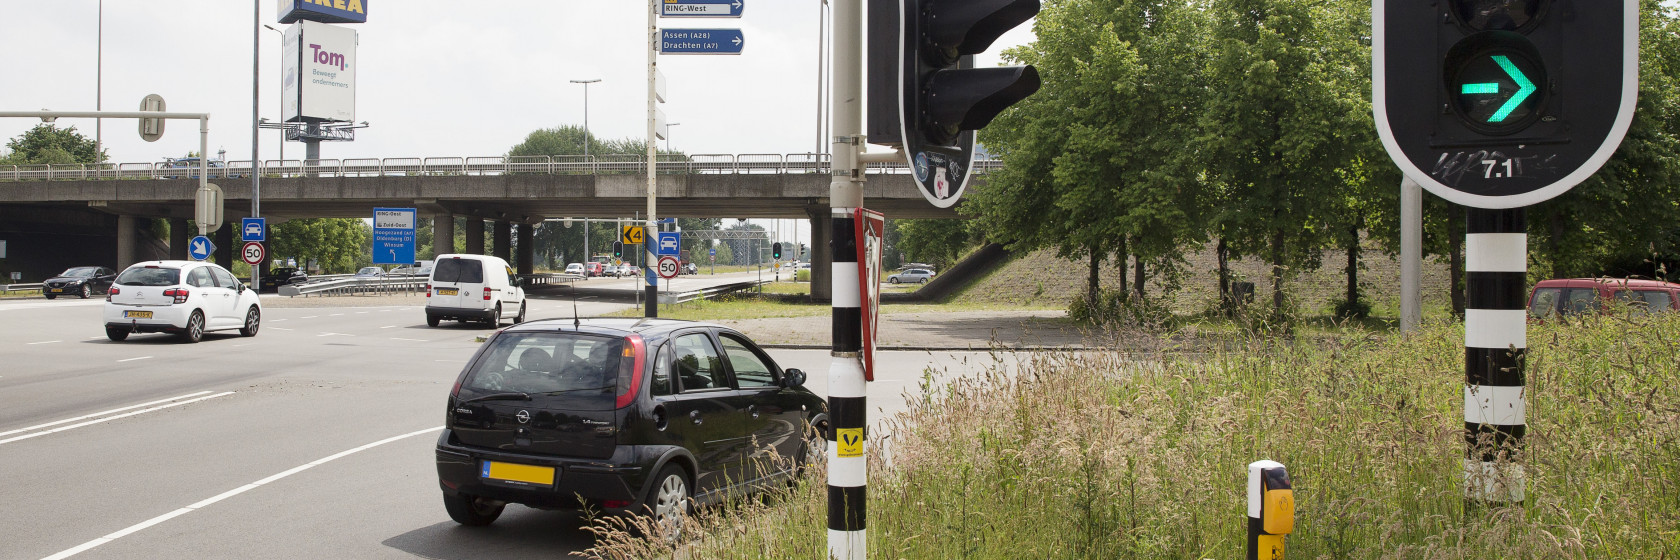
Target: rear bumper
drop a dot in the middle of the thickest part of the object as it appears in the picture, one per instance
(460, 312)
(169, 318)
(593, 481)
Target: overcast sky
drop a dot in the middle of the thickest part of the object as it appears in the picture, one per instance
(437, 78)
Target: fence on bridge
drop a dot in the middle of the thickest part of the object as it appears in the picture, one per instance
(669, 164)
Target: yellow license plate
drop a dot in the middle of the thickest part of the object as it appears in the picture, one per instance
(447, 291)
(511, 472)
(57, 290)
(137, 314)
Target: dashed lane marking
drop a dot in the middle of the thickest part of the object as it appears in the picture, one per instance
(135, 359)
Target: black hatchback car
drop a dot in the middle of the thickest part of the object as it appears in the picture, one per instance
(81, 281)
(622, 415)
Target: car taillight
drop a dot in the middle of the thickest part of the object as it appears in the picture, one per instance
(114, 290)
(487, 294)
(428, 290)
(630, 370)
(180, 295)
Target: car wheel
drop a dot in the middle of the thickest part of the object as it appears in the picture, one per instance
(432, 320)
(116, 335)
(520, 318)
(50, 296)
(195, 328)
(253, 320)
(668, 501)
(86, 291)
(924, 281)
(814, 451)
(892, 279)
(471, 510)
(496, 317)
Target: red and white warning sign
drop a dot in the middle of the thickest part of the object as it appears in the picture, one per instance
(871, 229)
(253, 253)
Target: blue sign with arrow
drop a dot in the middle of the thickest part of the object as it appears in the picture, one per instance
(393, 235)
(700, 41)
(701, 8)
(200, 248)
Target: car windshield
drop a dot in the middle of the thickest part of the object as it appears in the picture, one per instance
(458, 270)
(548, 363)
(81, 272)
(150, 276)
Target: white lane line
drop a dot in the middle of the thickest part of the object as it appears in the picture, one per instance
(241, 345)
(107, 418)
(280, 328)
(336, 315)
(45, 342)
(333, 334)
(135, 359)
(94, 337)
(411, 339)
(361, 313)
(143, 525)
(388, 327)
(309, 317)
(275, 320)
(97, 414)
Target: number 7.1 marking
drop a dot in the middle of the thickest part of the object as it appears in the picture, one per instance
(1491, 164)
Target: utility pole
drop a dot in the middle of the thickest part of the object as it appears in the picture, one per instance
(652, 309)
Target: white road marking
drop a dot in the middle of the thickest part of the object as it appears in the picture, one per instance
(336, 315)
(281, 328)
(309, 317)
(94, 337)
(143, 525)
(135, 359)
(333, 334)
(410, 339)
(275, 320)
(388, 327)
(361, 313)
(45, 342)
(107, 418)
(241, 345)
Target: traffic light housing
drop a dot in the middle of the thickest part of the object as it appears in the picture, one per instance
(926, 96)
(1503, 103)
(618, 249)
(776, 251)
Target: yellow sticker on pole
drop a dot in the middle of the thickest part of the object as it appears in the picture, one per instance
(849, 442)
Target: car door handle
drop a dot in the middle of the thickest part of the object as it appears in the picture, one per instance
(695, 416)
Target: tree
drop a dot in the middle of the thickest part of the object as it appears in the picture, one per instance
(48, 144)
(936, 242)
(335, 244)
(1282, 125)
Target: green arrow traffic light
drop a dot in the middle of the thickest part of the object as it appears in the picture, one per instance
(1525, 88)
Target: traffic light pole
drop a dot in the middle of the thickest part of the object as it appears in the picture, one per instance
(848, 468)
(1495, 345)
(649, 232)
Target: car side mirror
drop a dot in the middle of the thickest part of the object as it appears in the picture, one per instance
(793, 378)
(519, 282)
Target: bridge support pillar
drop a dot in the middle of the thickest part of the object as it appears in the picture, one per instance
(527, 249)
(504, 238)
(822, 270)
(443, 234)
(223, 238)
(475, 235)
(128, 237)
(178, 236)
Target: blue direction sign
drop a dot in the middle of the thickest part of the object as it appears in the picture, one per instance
(700, 8)
(700, 41)
(253, 229)
(393, 235)
(200, 248)
(669, 243)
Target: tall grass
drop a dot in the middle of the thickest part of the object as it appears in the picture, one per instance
(1118, 455)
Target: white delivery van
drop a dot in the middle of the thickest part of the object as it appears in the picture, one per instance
(473, 288)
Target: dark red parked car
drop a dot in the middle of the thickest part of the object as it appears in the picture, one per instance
(1580, 295)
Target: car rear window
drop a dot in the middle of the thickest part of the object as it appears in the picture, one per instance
(549, 364)
(458, 270)
(150, 276)
(82, 272)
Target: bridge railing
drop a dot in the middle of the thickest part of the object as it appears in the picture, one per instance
(612, 164)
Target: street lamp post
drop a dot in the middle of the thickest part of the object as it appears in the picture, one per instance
(586, 111)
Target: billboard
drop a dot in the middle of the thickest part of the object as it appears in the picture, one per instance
(324, 11)
(320, 67)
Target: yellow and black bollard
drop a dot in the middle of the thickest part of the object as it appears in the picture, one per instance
(1271, 510)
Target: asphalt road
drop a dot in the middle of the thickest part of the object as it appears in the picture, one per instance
(312, 439)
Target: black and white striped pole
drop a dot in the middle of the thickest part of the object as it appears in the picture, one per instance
(1495, 342)
(1271, 510)
(848, 467)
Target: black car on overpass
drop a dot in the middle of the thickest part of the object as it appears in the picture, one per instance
(627, 415)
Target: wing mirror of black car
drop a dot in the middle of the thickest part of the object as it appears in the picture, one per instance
(793, 378)
(519, 282)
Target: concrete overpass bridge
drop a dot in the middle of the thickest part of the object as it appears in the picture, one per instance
(514, 193)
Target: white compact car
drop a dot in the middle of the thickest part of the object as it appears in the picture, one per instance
(575, 268)
(473, 288)
(187, 298)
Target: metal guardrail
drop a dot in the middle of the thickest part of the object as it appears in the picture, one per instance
(669, 164)
(705, 293)
(352, 285)
(36, 287)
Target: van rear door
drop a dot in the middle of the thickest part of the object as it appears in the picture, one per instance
(457, 282)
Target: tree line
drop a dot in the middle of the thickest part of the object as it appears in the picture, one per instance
(1165, 127)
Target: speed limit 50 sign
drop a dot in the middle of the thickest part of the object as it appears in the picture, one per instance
(253, 253)
(668, 267)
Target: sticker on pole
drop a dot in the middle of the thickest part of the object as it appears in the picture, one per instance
(849, 442)
(253, 253)
(668, 267)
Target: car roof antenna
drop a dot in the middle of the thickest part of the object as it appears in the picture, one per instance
(576, 324)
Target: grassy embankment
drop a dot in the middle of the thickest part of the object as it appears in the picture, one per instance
(1112, 455)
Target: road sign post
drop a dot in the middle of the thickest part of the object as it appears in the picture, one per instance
(1498, 110)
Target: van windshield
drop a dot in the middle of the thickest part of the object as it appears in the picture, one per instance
(549, 363)
(458, 270)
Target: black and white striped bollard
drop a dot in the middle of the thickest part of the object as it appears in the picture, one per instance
(1495, 344)
(848, 468)
(1271, 510)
